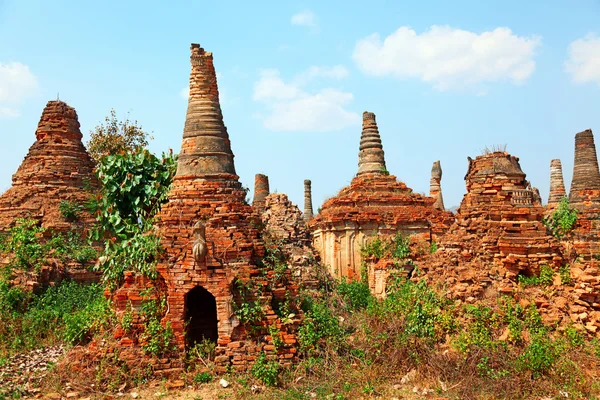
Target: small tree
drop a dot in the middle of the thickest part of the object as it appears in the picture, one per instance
(134, 186)
(114, 137)
(562, 220)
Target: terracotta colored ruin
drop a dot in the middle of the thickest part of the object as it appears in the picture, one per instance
(435, 186)
(374, 204)
(308, 208)
(557, 185)
(56, 168)
(498, 233)
(261, 190)
(584, 196)
(203, 292)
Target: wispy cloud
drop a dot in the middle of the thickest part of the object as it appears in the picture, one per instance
(583, 63)
(305, 18)
(291, 107)
(17, 83)
(449, 58)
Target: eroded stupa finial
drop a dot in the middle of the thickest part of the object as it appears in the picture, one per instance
(308, 208)
(585, 168)
(435, 185)
(370, 156)
(206, 150)
(261, 191)
(557, 184)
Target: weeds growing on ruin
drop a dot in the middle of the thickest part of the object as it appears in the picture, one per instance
(563, 219)
(70, 210)
(30, 246)
(67, 313)
(134, 186)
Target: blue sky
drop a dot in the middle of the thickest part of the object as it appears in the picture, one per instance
(445, 79)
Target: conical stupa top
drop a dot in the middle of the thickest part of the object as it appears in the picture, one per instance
(58, 156)
(557, 185)
(206, 149)
(370, 157)
(585, 168)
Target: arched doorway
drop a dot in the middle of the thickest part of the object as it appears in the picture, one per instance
(200, 316)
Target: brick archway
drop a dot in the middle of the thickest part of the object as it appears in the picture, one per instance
(200, 316)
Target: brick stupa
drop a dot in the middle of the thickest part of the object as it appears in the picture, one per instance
(213, 248)
(498, 233)
(557, 184)
(584, 196)
(375, 203)
(56, 168)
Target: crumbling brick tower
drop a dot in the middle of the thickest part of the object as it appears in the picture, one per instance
(56, 168)
(584, 195)
(210, 236)
(498, 228)
(374, 204)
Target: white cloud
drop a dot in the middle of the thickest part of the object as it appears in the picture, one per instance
(8, 112)
(449, 58)
(584, 60)
(16, 84)
(292, 108)
(305, 18)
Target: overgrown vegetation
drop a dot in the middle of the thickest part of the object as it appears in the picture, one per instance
(67, 313)
(116, 136)
(134, 186)
(563, 219)
(28, 246)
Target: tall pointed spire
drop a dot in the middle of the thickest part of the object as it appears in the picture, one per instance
(370, 157)
(585, 169)
(308, 208)
(206, 150)
(557, 185)
(261, 191)
(435, 187)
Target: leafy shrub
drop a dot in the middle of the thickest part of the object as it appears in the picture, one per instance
(397, 248)
(24, 243)
(66, 313)
(267, 372)
(562, 220)
(356, 294)
(545, 278)
(70, 210)
(114, 137)
(202, 377)
(539, 356)
(320, 325)
(565, 275)
(134, 186)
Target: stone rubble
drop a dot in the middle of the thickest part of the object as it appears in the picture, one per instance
(23, 372)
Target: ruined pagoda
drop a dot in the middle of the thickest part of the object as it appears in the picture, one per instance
(374, 204)
(213, 248)
(584, 196)
(498, 230)
(56, 168)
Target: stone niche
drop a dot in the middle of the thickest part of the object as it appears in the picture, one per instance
(213, 248)
(375, 204)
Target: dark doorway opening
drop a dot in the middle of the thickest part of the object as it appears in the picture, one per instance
(200, 316)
